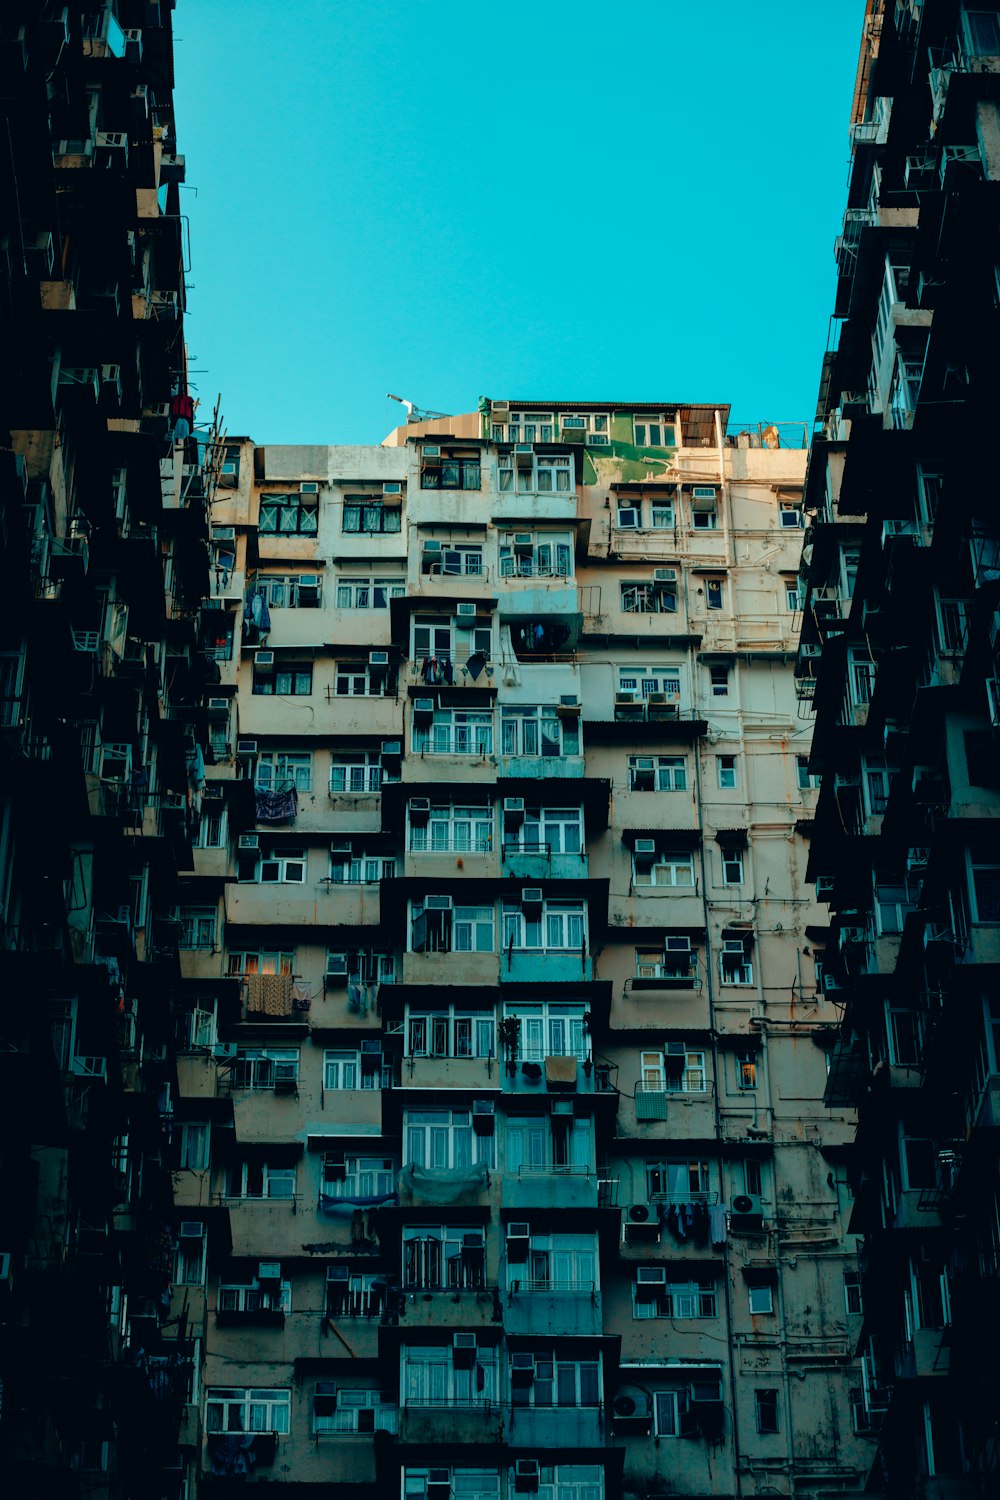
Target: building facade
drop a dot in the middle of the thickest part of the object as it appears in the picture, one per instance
(898, 665)
(501, 1160)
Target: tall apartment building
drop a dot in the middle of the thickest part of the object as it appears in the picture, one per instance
(104, 564)
(899, 662)
(502, 1164)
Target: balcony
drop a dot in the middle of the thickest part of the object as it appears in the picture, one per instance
(532, 1187)
(445, 1422)
(559, 1308)
(558, 1427)
(544, 863)
(520, 965)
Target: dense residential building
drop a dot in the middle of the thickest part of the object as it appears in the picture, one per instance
(103, 557)
(502, 1164)
(899, 664)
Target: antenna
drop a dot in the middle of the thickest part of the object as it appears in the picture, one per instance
(416, 413)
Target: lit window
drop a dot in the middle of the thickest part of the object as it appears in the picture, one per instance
(713, 593)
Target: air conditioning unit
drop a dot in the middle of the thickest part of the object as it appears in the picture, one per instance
(223, 533)
(677, 945)
(437, 903)
(392, 487)
(336, 968)
(391, 750)
(249, 841)
(629, 517)
(746, 1213)
(341, 846)
(465, 611)
(483, 1116)
(308, 583)
(500, 411)
(513, 810)
(568, 706)
(269, 1270)
(531, 898)
(378, 659)
(309, 488)
(191, 1229)
(523, 543)
(649, 1282)
(622, 699)
(664, 575)
(642, 1216)
(213, 604)
(463, 1350)
(518, 1241)
(246, 748)
(432, 548)
(431, 450)
(522, 1370)
(263, 660)
(644, 848)
(286, 1077)
(423, 710)
(218, 708)
(526, 1476)
(420, 809)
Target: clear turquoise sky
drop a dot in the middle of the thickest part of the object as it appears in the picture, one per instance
(633, 201)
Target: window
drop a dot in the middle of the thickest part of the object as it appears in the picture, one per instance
(553, 830)
(560, 1383)
(337, 1408)
(685, 1072)
(528, 427)
(289, 515)
(360, 869)
(359, 772)
(230, 1409)
(356, 680)
(444, 1139)
(255, 1298)
(677, 1181)
(538, 1143)
(450, 1033)
(805, 780)
(212, 827)
(368, 593)
(549, 1030)
(363, 513)
(277, 769)
(718, 680)
(983, 31)
(536, 555)
(654, 432)
(430, 1378)
(444, 1258)
(447, 642)
(672, 1414)
(451, 472)
(561, 925)
(648, 599)
(457, 560)
(556, 1262)
(714, 588)
(281, 865)
(853, 1300)
(291, 590)
(735, 962)
(766, 1409)
(752, 1178)
(985, 892)
(457, 830)
(538, 731)
(662, 513)
(760, 1298)
(344, 1069)
(666, 867)
(197, 926)
(793, 599)
(454, 731)
(11, 670)
(645, 680)
(732, 865)
(357, 1176)
(353, 1294)
(676, 960)
(725, 766)
(261, 1067)
(259, 1179)
(466, 1484)
(593, 425)
(194, 1028)
(789, 517)
(657, 773)
(189, 1255)
(705, 519)
(746, 1071)
(861, 677)
(678, 1300)
(261, 962)
(194, 1146)
(544, 475)
(629, 515)
(462, 929)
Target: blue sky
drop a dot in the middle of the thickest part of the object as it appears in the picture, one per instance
(447, 200)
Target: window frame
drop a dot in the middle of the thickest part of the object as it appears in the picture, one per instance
(290, 503)
(274, 1400)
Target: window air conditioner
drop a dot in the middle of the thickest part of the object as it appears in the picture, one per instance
(263, 660)
(522, 1369)
(286, 1077)
(391, 750)
(308, 583)
(483, 1116)
(463, 1350)
(625, 698)
(645, 850)
(432, 450)
(649, 1282)
(432, 547)
(664, 575)
(568, 706)
(518, 1241)
(191, 1229)
(423, 710)
(465, 611)
(246, 747)
(218, 708)
(269, 1270)
(677, 945)
(513, 810)
(420, 809)
(392, 487)
(526, 1475)
(341, 846)
(746, 1213)
(437, 903)
(249, 841)
(531, 898)
(311, 488)
(378, 659)
(336, 967)
(523, 543)
(223, 533)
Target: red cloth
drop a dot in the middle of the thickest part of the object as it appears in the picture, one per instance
(182, 408)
